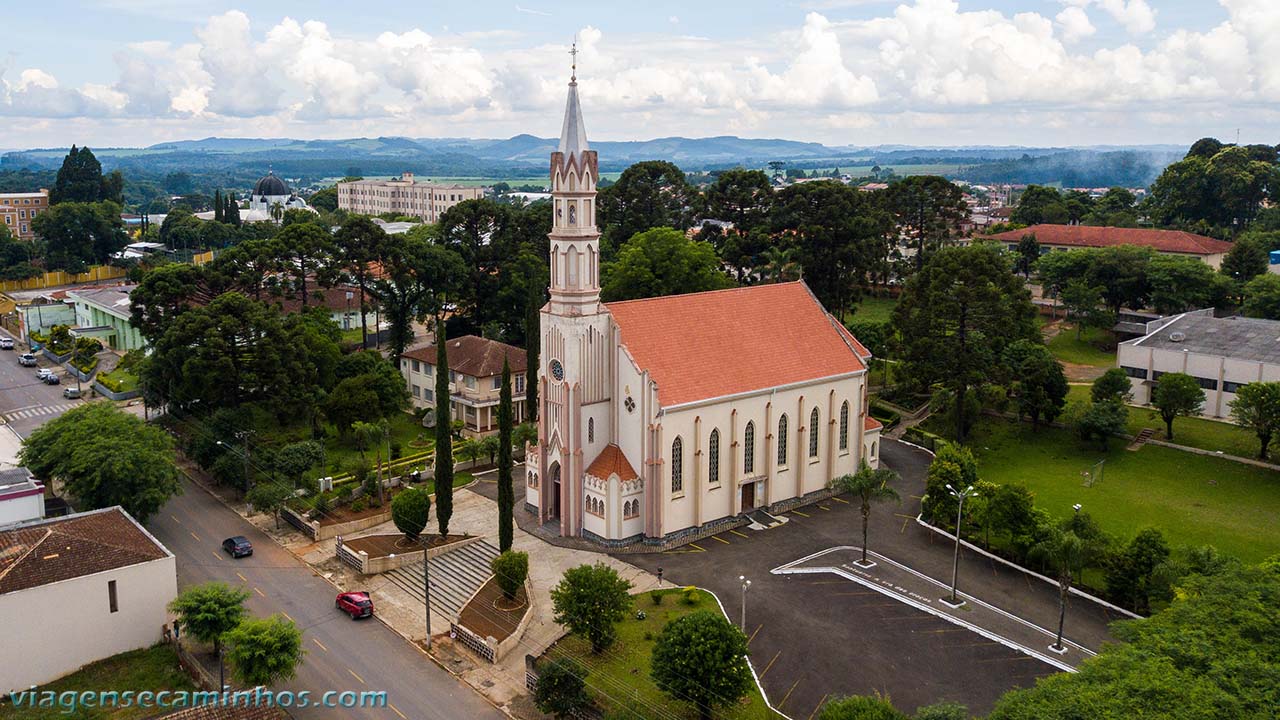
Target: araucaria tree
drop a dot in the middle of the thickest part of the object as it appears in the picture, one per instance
(957, 316)
(1257, 407)
(105, 457)
(590, 600)
(265, 651)
(868, 486)
(1177, 394)
(702, 659)
(1038, 381)
(506, 493)
(444, 433)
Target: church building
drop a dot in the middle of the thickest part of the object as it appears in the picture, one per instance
(670, 418)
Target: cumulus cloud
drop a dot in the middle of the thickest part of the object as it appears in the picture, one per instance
(1135, 15)
(1075, 24)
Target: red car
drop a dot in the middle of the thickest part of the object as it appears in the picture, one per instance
(355, 604)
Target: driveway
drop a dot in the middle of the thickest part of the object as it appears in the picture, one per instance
(817, 636)
(341, 654)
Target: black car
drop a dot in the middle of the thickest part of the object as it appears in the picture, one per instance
(52, 379)
(238, 546)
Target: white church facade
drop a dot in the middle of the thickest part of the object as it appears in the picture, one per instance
(669, 418)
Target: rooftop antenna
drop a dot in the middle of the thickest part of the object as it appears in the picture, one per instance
(574, 52)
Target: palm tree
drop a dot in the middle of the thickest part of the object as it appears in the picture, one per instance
(869, 485)
(780, 264)
(1063, 552)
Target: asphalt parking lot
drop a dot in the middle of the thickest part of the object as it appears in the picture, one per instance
(818, 636)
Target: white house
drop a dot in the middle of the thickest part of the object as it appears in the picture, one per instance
(90, 586)
(1222, 354)
(21, 496)
(667, 418)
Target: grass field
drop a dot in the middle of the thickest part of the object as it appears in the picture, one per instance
(1193, 499)
(341, 454)
(873, 309)
(1193, 432)
(1086, 350)
(619, 678)
(154, 668)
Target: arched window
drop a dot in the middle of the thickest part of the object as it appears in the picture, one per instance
(844, 426)
(749, 449)
(782, 441)
(873, 449)
(677, 466)
(591, 430)
(813, 433)
(573, 213)
(713, 458)
(571, 262)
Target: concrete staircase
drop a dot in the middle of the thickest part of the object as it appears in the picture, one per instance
(1140, 439)
(455, 576)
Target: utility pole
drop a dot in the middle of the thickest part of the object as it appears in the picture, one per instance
(243, 436)
(746, 584)
(426, 588)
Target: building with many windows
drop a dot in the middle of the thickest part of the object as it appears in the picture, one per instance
(668, 418)
(1222, 354)
(403, 196)
(17, 210)
(475, 381)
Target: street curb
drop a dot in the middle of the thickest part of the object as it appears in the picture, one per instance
(750, 665)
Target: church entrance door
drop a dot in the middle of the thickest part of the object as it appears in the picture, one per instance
(555, 491)
(748, 497)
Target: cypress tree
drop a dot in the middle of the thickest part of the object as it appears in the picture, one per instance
(506, 493)
(232, 214)
(219, 208)
(444, 433)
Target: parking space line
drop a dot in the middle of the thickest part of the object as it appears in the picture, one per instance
(175, 518)
(216, 555)
(735, 532)
(771, 662)
(754, 632)
(904, 515)
(841, 500)
(286, 617)
(784, 697)
(903, 531)
(698, 547)
(354, 675)
(320, 644)
(197, 537)
(396, 710)
(243, 579)
(717, 537)
(259, 592)
(797, 512)
(818, 707)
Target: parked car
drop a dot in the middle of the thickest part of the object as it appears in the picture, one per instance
(43, 373)
(51, 379)
(357, 604)
(238, 546)
(72, 393)
(6, 343)
(27, 359)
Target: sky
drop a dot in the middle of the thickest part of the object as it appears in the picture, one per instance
(842, 72)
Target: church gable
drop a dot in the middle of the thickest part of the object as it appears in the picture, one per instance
(725, 342)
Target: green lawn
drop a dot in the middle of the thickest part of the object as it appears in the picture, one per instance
(1193, 499)
(155, 668)
(619, 680)
(120, 380)
(1086, 350)
(872, 309)
(1193, 432)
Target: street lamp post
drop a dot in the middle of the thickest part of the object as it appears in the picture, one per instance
(426, 588)
(746, 584)
(959, 495)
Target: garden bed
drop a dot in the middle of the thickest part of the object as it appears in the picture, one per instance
(490, 615)
(384, 545)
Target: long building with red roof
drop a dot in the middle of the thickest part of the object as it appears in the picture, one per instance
(1170, 242)
(665, 419)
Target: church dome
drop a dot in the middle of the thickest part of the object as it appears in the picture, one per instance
(271, 186)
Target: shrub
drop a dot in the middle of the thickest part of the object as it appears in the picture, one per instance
(656, 596)
(358, 506)
(320, 507)
(690, 595)
(510, 568)
(396, 450)
(560, 691)
(410, 510)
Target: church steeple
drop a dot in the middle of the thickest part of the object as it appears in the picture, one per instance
(575, 240)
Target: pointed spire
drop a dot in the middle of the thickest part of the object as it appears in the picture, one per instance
(573, 136)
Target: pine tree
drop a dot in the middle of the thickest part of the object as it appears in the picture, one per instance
(219, 208)
(79, 179)
(506, 493)
(232, 212)
(444, 433)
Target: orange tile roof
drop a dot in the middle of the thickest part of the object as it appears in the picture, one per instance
(871, 423)
(475, 356)
(1169, 241)
(611, 460)
(711, 344)
(43, 552)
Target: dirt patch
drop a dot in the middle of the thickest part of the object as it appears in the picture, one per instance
(491, 615)
(384, 545)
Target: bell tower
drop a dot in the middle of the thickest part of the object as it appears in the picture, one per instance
(577, 349)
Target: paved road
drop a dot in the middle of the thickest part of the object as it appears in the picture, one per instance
(25, 402)
(341, 654)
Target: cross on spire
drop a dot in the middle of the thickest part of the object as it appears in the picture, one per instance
(574, 52)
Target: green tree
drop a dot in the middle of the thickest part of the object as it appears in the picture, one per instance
(383, 378)
(353, 400)
(1248, 257)
(1098, 420)
(410, 511)
(166, 292)
(266, 496)
(957, 316)
(1131, 573)
(649, 194)
(416, 281)
(325, 199)
(1013, 512)
(78, 234)
(510, 568)
(1177, 395)
(307, 251)
(265, 651)
(742, 197)
(208, 612)
(662, 261)
(1262, 297)
(1039, 382)
(1040, 204)
(506, 492)
(1028, 253)
(1179, 284)
(1121, 272)
(929, 209)
(1065, 554)
(860, 707)
(701, 658)
(868, 486)
(1257, 407)
(952, 465)
(295, 459)
(444, 433)
(80, 180)
(561, 690)
(105, 456)
(1083, 303)
(1112, 385)
(360, 243)
(590, 600)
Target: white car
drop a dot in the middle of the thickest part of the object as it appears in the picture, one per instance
(43, 373)
(6, 343)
